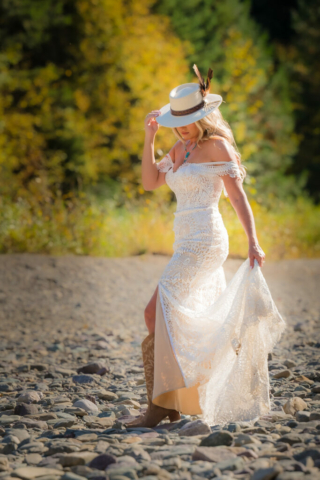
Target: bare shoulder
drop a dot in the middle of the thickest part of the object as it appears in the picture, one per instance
(174, 150)
(220, 149)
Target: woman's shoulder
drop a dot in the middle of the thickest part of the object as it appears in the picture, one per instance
(220, 149)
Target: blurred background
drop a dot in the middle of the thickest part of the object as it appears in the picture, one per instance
(77, 78)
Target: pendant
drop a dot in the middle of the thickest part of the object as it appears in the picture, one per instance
(186, 157)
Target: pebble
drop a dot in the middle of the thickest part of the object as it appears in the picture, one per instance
(210, 454)
(196, 427)
(29, 397)
(294, 405)
(66, 392)
(83, 379)
(217, 438)
(27, 473)
(86, 405)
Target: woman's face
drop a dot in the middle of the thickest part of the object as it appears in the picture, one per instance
(189, 132)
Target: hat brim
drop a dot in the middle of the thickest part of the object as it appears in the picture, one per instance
(166, 119)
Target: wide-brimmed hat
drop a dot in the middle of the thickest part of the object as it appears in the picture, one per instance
(189, 102)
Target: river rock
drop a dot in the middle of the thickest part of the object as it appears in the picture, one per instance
(294, 405)
(94, 367)
(28, 473)
(210, 454)
(29, 397)
(25, 409)
(102, 461)
(217, 439)
(76, 458)
(197, 427)
(86, 405)
(83, 379)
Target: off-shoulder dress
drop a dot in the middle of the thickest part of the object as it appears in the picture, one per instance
(211, 339)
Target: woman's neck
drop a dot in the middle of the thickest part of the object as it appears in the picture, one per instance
(191, 141)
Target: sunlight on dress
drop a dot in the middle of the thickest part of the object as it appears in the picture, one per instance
(212, 339)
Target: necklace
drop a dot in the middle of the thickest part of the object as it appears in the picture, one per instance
(188, 153)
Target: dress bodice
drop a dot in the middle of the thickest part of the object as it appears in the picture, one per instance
(197, 185)
(220, 334)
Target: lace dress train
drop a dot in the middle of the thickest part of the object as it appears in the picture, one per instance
(211, 339)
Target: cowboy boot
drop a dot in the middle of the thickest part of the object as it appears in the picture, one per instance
(154, 413)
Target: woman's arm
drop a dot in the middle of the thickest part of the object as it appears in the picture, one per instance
(151, 177)
(240, 203)
(238, 198)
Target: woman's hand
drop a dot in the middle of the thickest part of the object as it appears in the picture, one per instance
(256, 252)
(151, 126)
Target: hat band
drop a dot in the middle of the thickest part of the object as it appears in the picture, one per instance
(181, 113)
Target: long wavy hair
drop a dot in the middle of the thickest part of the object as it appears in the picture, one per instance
(214, 124)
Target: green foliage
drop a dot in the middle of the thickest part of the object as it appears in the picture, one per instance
(84, 226)
(256, 94)
(303, 58)
(294, 32)
(78, 78)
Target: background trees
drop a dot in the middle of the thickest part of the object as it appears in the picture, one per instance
(77, 78)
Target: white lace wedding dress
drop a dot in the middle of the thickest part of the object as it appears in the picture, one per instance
(211, 339)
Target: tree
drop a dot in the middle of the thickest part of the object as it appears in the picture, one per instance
(78, 78)
(256, 94)
(304, 67)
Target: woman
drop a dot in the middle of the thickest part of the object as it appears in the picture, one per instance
(206, 352)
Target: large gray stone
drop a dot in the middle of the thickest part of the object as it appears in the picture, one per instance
(267, 473)
(4, 463)
(26, 409)
(243, 439)
(64, 423)
(197, 427)
(7, 419)
(230, 464)
(314, 453)
(217, 438)
(212, 454)
(94, 367)
(102, 461)
(294, 405)
(28, 473)
(290, 438)
(29, 397)
(76, 458)
(33, 458)
(83, 379)
(86, 405)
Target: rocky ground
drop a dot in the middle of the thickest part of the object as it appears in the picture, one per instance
(71, 374)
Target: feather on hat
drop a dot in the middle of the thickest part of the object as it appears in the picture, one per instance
(204, 86)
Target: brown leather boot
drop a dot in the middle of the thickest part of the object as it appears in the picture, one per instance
(154, 413)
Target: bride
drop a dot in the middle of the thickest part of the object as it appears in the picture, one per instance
(206, 352)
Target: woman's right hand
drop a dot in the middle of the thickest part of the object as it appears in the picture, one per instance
(151, 126)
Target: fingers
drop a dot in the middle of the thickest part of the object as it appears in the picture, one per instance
(154, 113)
(151, 119)
(260, 260)
(257, 254)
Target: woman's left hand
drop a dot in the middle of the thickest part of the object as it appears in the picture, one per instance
(256, 252)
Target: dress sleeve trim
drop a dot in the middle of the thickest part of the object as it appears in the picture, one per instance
(224, 168)
(227, 168)
(164, 164)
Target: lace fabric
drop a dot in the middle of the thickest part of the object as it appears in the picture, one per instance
(220, 334)
(206, 169)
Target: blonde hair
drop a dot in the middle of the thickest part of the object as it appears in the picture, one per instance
(214, 124)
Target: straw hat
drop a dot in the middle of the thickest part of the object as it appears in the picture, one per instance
(189, 102)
